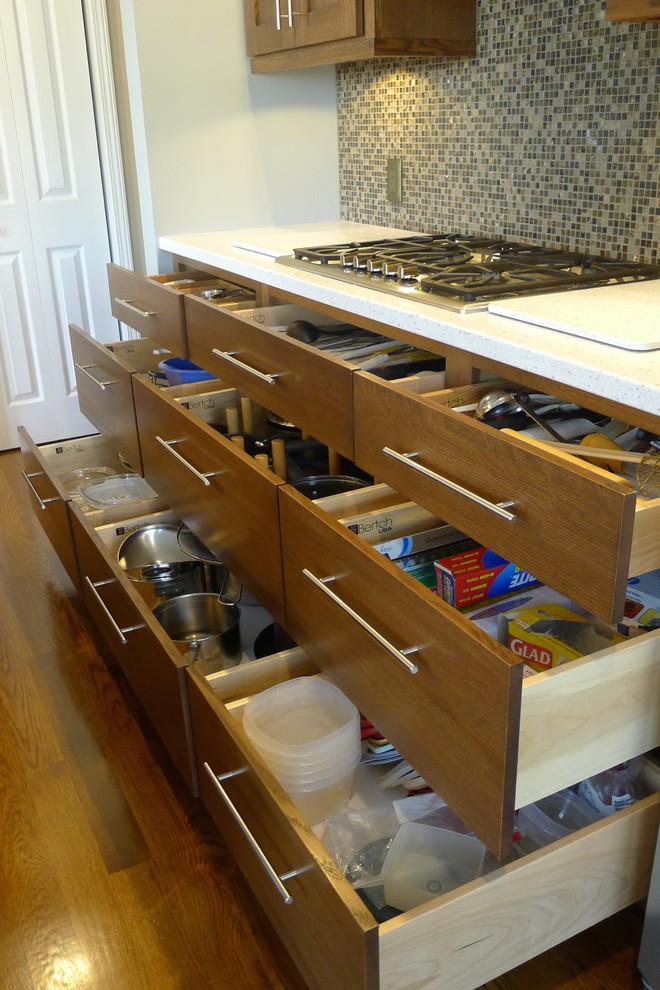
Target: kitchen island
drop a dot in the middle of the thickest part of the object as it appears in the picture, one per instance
(616, 374)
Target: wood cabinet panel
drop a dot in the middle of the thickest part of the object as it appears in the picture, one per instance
(571, 527)
(153, 309)
(105, 394)
(312, 390)
(49, 501)
(632, 10)
(228, 500)
(328, 931)
(456, 718)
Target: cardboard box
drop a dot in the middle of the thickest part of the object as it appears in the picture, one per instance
(642, 607)
(463, 579)
(550, 635)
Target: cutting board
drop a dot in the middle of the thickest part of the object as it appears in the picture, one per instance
(277, 241)
(626, 316)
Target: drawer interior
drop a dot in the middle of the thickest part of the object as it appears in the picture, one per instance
(357, 837)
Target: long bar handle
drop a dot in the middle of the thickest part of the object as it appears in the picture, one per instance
(201, 476)
(499, 508)
(43, 502)
(400, 655)
(275, 877)
(290, 14)
(128, 303)
(93, 585)
(85, 370)
(231, 357)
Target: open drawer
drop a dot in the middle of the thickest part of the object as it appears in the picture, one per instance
(104, 373)
(449, 696)
(152, 664)
(456, 941)
(570, 523)
(53, 473)
(226, 497)
(153, 304)
(251, 350)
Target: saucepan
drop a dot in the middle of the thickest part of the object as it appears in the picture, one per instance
(204, 628)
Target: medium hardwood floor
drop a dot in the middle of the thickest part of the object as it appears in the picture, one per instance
(111, 876)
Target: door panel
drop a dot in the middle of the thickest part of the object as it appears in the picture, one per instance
(52, 217)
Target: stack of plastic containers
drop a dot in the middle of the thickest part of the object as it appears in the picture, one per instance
(308, 732)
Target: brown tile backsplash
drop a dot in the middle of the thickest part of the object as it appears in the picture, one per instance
(549, 134)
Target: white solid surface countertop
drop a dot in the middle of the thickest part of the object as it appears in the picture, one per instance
(631, 377)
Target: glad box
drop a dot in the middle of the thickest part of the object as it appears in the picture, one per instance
(550, 635)
(463, 579)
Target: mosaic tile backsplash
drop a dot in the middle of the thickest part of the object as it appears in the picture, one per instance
(549, 135)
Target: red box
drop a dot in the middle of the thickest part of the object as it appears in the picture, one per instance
(463, 579)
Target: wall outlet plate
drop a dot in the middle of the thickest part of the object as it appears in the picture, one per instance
(394, 180)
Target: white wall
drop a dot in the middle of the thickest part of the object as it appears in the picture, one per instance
(216, 148)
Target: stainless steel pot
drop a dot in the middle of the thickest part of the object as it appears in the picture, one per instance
(204, 628)
(153, 560)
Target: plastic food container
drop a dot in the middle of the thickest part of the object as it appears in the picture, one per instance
(179, 371)
(552, 818)
(308, 733)
(424, 862)
(117, 489)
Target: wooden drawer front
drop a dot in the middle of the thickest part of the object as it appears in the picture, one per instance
(311, 390)
(151, 308)
(105, 394)
(49, 501)
(153, 666)
(235, 512)
(333, 942)
(485, 929)
(571, 526)
(456, 719)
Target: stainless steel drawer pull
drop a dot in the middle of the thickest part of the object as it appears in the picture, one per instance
(290, 14)
(128, 303)
(231, 357)
(400, 655)
(273, 876)
(201, 476)
(499, 508)
(93, 585)
(43, 502)
(85, 370)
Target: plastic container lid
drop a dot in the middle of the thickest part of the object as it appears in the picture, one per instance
(116, 490)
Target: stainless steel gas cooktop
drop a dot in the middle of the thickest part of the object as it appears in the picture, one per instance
(462, 273)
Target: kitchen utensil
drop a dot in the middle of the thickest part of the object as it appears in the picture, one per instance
(204, 628)
(528, 409)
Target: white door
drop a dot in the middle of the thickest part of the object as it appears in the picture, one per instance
(53, 234)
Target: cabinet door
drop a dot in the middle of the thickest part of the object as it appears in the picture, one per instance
(276, 25)
(325, 20)
(266, 29)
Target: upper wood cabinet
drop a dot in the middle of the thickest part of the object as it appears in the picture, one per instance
(288, 34)
(633, 10)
